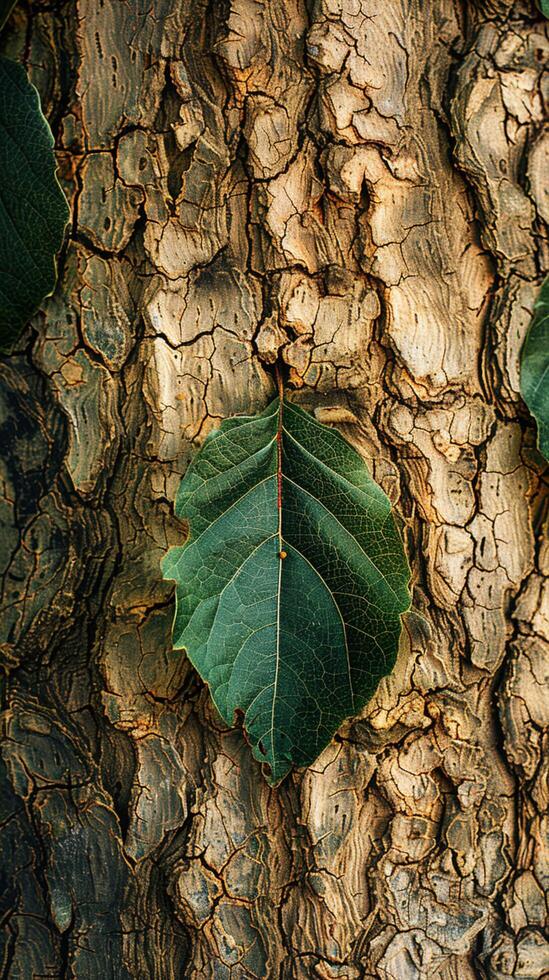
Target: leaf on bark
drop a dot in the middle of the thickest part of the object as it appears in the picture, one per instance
(296, 643)
(534, 368)
(33, 209)
(6, 7)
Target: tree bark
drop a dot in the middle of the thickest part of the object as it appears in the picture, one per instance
(355, 187)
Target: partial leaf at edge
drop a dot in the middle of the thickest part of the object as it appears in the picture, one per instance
(295, 644)
(534, 368)
(33, 209)
(6, 7)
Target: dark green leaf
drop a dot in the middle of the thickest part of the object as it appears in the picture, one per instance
(544, 7)
(6, 7)
(534, 368)
(297, 643)
(33, 209)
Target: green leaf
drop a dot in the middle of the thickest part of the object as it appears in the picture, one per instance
(298, 643)
(544, 7)
(534, 368)
(33, 209)
(6, 7)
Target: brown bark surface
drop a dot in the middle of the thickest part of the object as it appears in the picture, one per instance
(357, 187)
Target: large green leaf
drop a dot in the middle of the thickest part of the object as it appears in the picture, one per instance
(33, 209)
(534, 368)
(296, 643)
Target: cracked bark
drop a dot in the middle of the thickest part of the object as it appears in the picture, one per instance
(357, 188)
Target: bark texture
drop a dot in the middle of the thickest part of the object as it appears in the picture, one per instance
(356, 186)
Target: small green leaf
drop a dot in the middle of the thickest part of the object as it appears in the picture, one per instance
(534, 368)
(292, 582)
(33, 209)
(544, 7)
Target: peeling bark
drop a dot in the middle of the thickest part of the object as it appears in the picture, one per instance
(357, 188)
